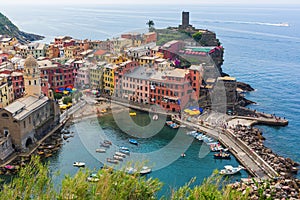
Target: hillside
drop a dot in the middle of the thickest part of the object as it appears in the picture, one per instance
(8, 28)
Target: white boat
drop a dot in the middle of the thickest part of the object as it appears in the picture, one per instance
(93, 178)
(192, 133)
(229, 170)
(124, 148)
(284, 24)
(145, 170)
(119, 158)
(155, 117)
(78, 164)
(101, 150)
(120, 154)
(112, 160)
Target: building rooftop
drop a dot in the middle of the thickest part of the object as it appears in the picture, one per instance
(140, 73)
(196, 67)
(21, 108)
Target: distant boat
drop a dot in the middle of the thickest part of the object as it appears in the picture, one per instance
(132, 114)
(143, 171)
(107, 142)
(155, 117)
(120, 154)
(101, 150)
(104, 145)
(119, 158)
(112, 160)
(222, 155)
(124, 151)
(124, 148)
(93, 178)
(133, 141)
(284, 24)
(229, 170)
(78, 164)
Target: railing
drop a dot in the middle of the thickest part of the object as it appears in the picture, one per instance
(64, 116)
(255, 157)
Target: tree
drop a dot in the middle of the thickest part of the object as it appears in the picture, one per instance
(150, 24)
(197, 36)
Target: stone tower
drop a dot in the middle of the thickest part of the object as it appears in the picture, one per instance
(32, 78)
(185, 19)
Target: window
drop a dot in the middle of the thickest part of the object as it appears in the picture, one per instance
(5, 115)
(24, 123)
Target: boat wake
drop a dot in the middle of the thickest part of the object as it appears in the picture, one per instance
(285, 24)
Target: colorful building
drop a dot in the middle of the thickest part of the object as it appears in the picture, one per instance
(52, 51)
(4, 92)
(108, 78)
(171, 89)
(96, 76)
(82, 79)
(18, 84)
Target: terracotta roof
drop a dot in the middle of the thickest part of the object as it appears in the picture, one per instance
(100, 52)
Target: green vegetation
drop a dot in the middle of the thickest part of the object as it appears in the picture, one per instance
(8, 28)
(166, 35)
(67, 99)
(197, 36)
(33, 182)
(150, 24)
(57, 95)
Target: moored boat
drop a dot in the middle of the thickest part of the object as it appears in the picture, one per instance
(107, 142)
(120, 154)
(119, 158)
(111, 160)
(101, 150)
(155, 117)
(124, 151)
(145, 170)
(78, 164)
(104, 145)
(229, 170)
(132, 114)
(93, 178)
(133, 141)
(222, 155)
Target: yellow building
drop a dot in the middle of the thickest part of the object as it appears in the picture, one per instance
(71, 52)
(4, 92)
(7, 43)
(108, 78)
(96, 76)
(115, 59)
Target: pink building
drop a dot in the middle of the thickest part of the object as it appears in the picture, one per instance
(171, 89)
(82, 79)
(135, 84)
(18, 84)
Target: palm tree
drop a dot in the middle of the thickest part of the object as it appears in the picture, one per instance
(150, 23)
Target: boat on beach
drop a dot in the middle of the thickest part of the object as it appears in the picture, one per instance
(133, 141)
(78, 164)
(229, 170)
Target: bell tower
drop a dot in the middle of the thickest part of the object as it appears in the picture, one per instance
(32, 77)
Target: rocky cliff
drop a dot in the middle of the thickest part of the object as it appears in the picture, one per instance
(9, 29)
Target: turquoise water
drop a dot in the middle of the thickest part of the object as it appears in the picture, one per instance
(257, 51)
(90, 132)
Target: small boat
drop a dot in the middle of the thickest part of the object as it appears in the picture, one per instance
(124, 151)
(93, 178)
(145, 170)
(78, 164)
(104, 145)
(183, 155)
(124, 148)
(119, 158)
(216, 148)
(132, 114)
(192, 133)
(133, 141)
(101, 150)
(222, 155)
(107, 142)
(169, 122)
(120, 154)
(229, 170)
(155, 117)
(111, 160)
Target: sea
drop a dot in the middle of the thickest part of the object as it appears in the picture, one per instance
(259, 51)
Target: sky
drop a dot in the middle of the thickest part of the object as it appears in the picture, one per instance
(170, 2)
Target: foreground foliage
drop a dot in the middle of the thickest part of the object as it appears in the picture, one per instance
(34, 182)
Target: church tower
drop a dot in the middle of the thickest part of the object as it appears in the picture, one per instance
(32, 77)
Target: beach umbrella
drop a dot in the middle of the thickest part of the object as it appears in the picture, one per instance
(66, 92)
(69, 89)
(74, 89)
(61, 89)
